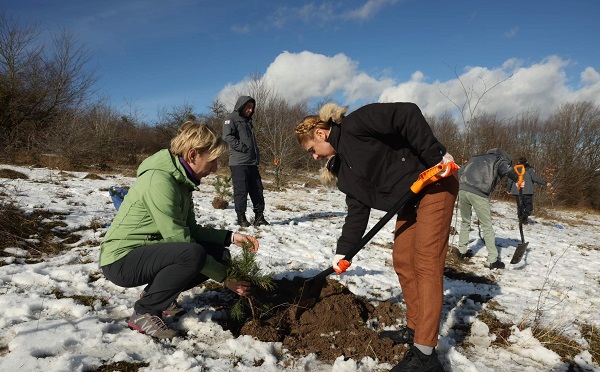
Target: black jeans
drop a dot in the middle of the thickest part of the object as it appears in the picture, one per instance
(167, 268)
(246, 181)
(526, 205)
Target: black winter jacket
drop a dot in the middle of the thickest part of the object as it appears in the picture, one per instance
(382, 148)
(238, 131)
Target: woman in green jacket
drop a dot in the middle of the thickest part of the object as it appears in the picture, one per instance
(154, 238)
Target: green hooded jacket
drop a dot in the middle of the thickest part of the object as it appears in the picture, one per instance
(159, 209)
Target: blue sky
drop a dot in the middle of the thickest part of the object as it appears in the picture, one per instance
(158, 54)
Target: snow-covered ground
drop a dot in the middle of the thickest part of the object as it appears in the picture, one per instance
(558, 280)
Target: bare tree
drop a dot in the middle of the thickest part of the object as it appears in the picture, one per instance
(446, 130)
(169, 121)
(572, 147)
(469, 108)
(38, 82)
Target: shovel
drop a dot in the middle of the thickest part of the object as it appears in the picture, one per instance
(520, 251)
(311, 288)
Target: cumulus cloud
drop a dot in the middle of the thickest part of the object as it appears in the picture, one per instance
(303, 76)
(508, 90)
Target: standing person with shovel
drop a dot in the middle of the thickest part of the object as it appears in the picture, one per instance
(478, 179)
(530, 177)
(373, 155)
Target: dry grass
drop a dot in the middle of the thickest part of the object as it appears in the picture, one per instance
(121, 367)
(501, 330)
(12, 174)
(553, 338)
(39, 232)
(85, 300)
(592, 335)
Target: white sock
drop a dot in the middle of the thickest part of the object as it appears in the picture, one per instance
(427, 350)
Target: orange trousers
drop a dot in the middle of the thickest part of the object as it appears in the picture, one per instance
(420, 247)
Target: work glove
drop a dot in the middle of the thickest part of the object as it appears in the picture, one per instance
(447, 158)
(339, 264)
(521, 185)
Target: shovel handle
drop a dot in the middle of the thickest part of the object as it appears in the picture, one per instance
(520, 171)
(432, 175)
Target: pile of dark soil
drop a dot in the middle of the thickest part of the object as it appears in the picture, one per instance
(339, 323)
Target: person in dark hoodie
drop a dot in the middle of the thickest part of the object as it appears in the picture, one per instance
(478, 179)
(154, 239)
(530, 177)
(244, 159)
(373, 156)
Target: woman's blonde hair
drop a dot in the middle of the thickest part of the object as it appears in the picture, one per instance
(305, 131)
(195, 135)
(330, 112)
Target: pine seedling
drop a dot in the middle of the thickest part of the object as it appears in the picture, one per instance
(222, 185)
(245, 268)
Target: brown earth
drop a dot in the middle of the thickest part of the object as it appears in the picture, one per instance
(339, 323)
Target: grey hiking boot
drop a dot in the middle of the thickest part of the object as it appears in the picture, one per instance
(173, 310)
(150, 325)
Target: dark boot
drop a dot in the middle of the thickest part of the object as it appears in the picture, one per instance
(259, 219)
(405, 335)
(415, 360)
(241, 219)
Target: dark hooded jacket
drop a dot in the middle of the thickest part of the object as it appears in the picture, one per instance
(482, 173)
(381, 149)
(529, 177)
(238, 131)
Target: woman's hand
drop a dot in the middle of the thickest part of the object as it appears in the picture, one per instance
(245, 241)
(241, 288)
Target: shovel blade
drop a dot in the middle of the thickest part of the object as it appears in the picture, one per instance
(310, 292)
(519, 253)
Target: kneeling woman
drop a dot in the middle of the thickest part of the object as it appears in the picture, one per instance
(374, 155)
(154, 238)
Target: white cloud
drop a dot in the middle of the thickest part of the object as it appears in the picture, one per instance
(508, 90)
(327, 12)
(590, 76)
(306, 75)
(368, 10)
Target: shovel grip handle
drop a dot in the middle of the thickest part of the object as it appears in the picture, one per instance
(432, 175)
(520, 171)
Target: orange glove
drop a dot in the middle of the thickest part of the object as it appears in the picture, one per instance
(339, 264)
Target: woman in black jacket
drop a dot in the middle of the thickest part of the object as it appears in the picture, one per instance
(374, 155)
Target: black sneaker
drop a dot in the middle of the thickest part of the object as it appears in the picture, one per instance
(496, 265)
(463, 256)
(414, 360)
(404, 335)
